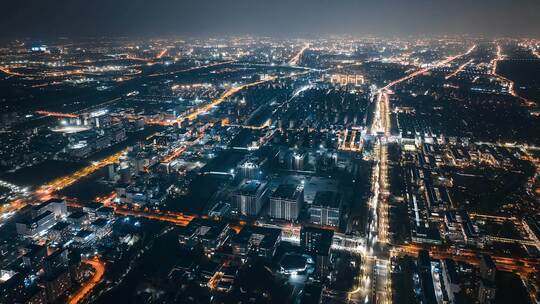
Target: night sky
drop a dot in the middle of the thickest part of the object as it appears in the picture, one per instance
(292, 18)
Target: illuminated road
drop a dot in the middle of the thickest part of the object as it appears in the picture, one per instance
(174, 154)
(57, 114)
(162, 53)
(192, 69)
(192, 115)
(133, 70)
(522, 266)
(10, 208)
(230, 92)
(76, 113)
(174, 218)
(296, 59)
(381, 119)
(498, 57)
(87, 287)
(68, 180)
(511, 85)
(165, 216)
(374, 284)
(422, 71)
(459, 69)
(378, 288)
(45, 192)
(9, 72)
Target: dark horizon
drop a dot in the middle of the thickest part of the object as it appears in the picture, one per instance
(498, 18)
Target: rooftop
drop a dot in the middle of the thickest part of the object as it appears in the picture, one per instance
(48, 202)
(287, 191)
(330, 199)
(259, 236)
(250, 187)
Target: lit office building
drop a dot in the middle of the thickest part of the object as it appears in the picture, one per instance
(249, 197)
(286, 202)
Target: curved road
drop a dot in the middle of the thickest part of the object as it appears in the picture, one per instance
(99, 267)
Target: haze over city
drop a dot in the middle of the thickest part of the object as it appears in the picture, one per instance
(297, 18)
(270, 152)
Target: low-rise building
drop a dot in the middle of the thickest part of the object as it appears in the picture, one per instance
(32, 227)
(101, 227)
(261, 241)
(56, 206)
(209, 233)
(78, 219)
(60, 232)
(84, 237)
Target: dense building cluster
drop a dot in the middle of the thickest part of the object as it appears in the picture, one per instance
(261, 170)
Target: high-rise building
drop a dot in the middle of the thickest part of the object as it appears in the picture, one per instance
(286, 202)
(251, 168)
(34, 256)
(299, 160)
(317, 242)
(451, 280)
(426, 280)
(325, 209)
(55, 262)
(249, 197)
